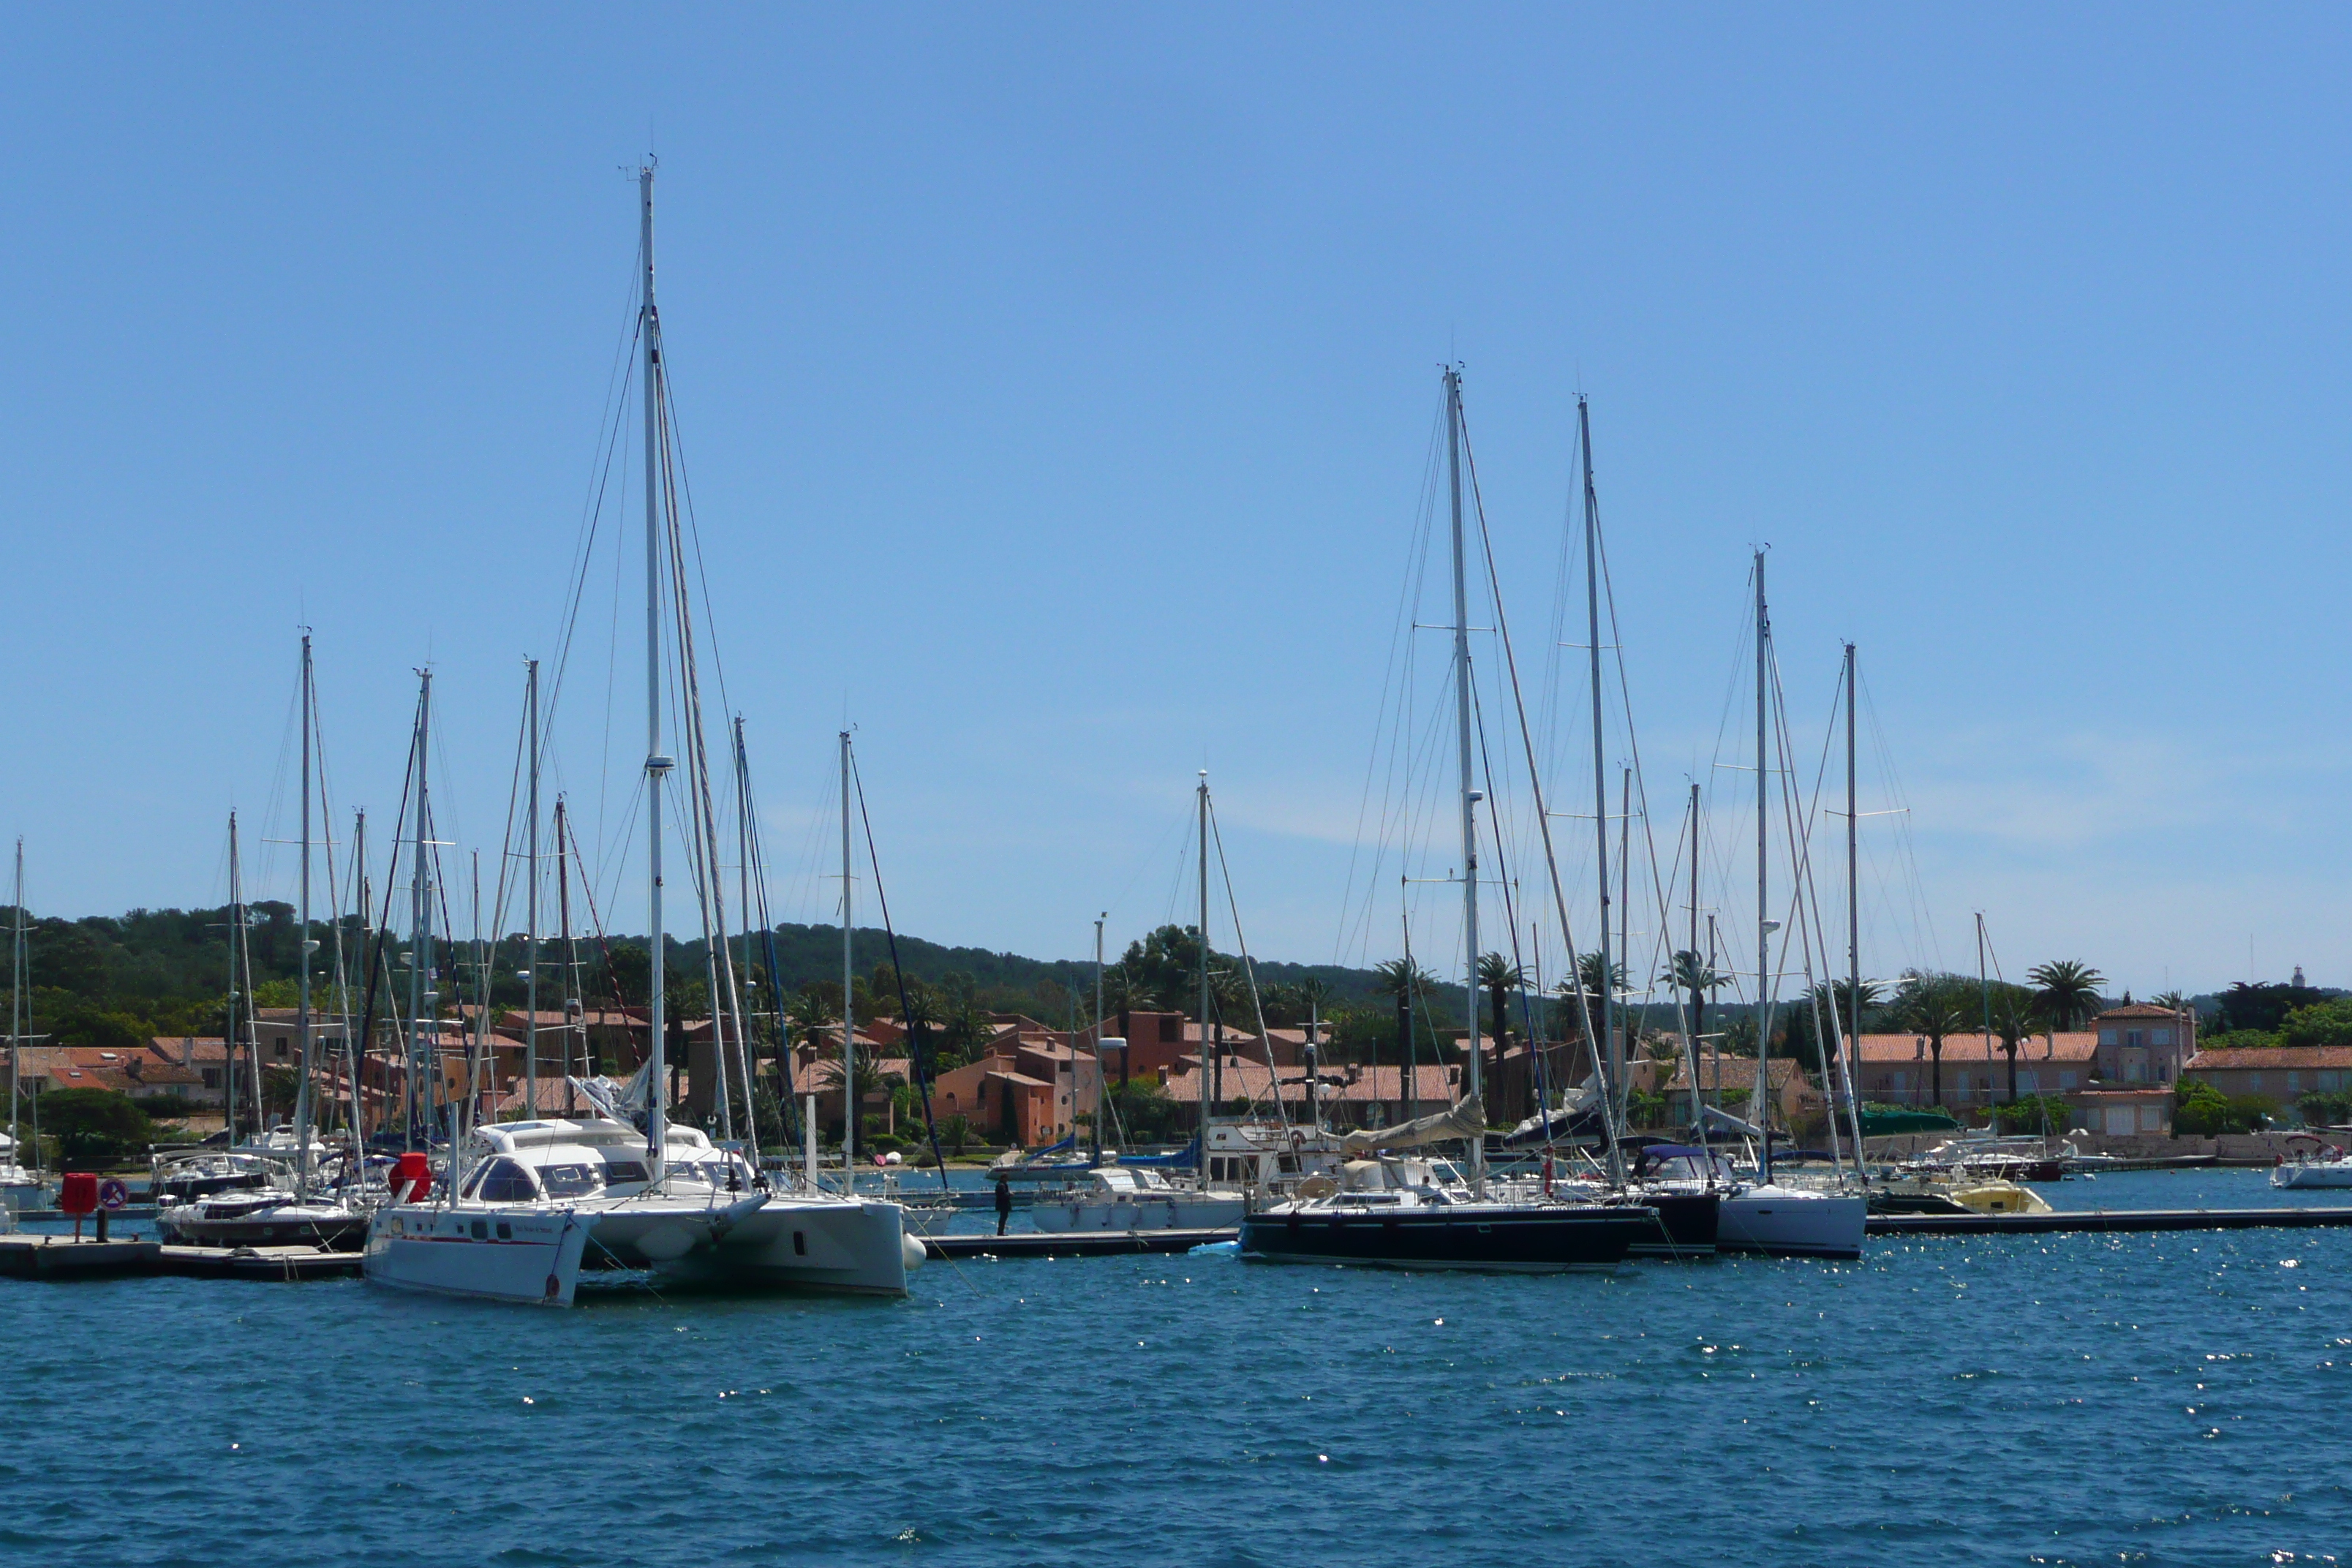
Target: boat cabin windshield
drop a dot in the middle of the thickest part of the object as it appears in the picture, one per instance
(502, 1182)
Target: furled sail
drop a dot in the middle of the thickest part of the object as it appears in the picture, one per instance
(1465, 1120)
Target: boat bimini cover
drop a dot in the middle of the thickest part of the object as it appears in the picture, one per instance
(1465, 1120)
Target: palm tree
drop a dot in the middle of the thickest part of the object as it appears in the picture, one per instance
(1499, 977)
(1691, 972)
(1402, 977)
(1312, 997)
(807, 1017)
(2012, 1020)
(2170, 1001)
(1929, 1005)
(2068, 992)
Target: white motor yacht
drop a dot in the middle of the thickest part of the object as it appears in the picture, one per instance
(2315, 1164)
(1116, 1198)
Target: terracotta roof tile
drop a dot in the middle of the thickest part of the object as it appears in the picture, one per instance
(2263, 1058)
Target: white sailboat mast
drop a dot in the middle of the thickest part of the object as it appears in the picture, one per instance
(1762, 1101)
(1098, 1035)
(531, 950)
(848, 986)
(302, 946)
(657, 766)
(422, 998)
(1605, 1059)
(1201, 1145)
(1470, 796)
(17, 1006)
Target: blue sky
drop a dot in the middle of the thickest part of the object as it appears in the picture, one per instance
(1057, 383)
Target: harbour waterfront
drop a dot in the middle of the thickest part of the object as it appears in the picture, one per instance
(2069, 1399)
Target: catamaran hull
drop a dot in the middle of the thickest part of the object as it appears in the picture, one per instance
(1519, 1241)
(856, 1248)
(1775, 1222)
(1181, 1211)
(496, 1255)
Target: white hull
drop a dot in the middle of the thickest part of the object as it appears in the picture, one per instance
(496, 1253)
(1152, 1211)
(20, 1193)
(2319, 1174)
(859, 1247)
(1782, 1222)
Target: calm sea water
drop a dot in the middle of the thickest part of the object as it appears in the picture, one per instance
(2179, 1398)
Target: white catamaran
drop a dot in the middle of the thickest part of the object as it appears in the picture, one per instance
(528, 1202)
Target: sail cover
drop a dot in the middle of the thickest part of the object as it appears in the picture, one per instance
(1466, 1119)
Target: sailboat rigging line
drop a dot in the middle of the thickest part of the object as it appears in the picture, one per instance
(616, 407)
(1543, 820)
(726, 999)
(906, 1007)
(1816, 933)
(1885, 755)
(1392, 678)
(1257, 1005)
(788, 1104)
(1662, 899)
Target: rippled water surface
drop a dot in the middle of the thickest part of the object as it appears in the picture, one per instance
(2173, 1398)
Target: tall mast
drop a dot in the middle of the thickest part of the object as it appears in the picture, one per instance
(1984, 992)
(1699, 989)
(422, 998)
(848, 983)
(657, 766)
(16, 1008)
(570, 957)
(243, 957)
(743, 892)
(1624, 1048)
(1469, 794)
(1852, 916)
(1098, 1035)
(1763, 1103)
(530, 950)
(302, 946)
(354, 1048)
(1200, 1144)
(1605, 1039)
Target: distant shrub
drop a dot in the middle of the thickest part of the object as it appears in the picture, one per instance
(2326, 1109)
(94, 1126)
(2036, 1113)
(2325, 1024)
(2203, 1112)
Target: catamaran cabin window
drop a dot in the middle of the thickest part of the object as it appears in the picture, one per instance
(504, 1181)
(619, 1170)
(571, 1180)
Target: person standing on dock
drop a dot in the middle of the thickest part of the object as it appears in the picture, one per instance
(1003, 1203)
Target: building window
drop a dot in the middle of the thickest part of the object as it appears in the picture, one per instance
(2253, 1081)
(212, 1078)
(2294, 1082)
(2107, 1037)
(2164, 1037)
(2134, 1038)
(2065, 1080)
(2029, 1082)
